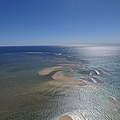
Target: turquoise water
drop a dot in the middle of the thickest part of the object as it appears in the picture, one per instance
(26, 95)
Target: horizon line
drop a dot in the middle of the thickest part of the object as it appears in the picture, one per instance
(64, 44)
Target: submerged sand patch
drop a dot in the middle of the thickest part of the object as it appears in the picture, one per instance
(57, 83)
(40, 92)
(59, 76)
(21, 101)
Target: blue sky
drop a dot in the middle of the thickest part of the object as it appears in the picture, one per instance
(24, 22)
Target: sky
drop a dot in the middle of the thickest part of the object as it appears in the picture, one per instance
(37, 22)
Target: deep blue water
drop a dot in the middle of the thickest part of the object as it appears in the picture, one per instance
(20, 85)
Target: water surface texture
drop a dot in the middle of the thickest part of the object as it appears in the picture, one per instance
(49, 82)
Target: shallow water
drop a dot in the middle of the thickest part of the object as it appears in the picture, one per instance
(26, 95)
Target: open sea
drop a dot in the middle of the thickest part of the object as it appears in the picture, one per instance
(27, 95)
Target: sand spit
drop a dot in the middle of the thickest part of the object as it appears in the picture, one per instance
(65, 117)
(58, 78)
(46, 71)
(57, 81)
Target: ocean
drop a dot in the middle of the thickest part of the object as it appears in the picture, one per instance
(48, 82)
